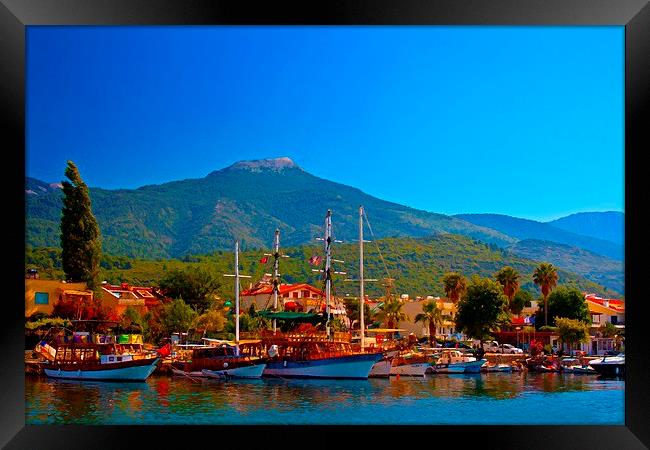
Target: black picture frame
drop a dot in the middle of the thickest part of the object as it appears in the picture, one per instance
(16, 15)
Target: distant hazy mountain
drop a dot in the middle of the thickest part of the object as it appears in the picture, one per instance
(608, 225)
(38, 187)
(248, 201)
(599, 269)
(530, 229)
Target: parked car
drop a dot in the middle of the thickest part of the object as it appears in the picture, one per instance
(491, 346)
(511, 349)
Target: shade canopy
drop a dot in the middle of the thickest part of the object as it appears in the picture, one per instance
(288, 315)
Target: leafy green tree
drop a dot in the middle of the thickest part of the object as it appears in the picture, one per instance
(211, 321)
(566, 302)
(253, 323)
(80, 236)
(545, 276)
(454, 285)
(432, 316)
(196, 286)
(132, 321)
(482, 309)
(571, 331)
(177, 316)
(353, 311)
(509, 279)
(520, 301)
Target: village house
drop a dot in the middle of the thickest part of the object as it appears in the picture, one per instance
(41, 295)
(602, 311)
(413, 307)
(119, 297)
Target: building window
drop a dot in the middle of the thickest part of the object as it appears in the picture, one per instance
(294, 294)
(305, 294)
(41, 298)
(614, 320)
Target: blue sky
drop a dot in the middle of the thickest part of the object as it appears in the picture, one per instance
(525, 121)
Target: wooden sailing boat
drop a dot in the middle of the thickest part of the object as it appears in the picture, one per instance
(318, 354)
(83, 359)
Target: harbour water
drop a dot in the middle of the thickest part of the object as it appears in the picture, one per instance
(463, 399)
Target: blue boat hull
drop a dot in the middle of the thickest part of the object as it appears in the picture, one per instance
(131, 373)
(342, 367)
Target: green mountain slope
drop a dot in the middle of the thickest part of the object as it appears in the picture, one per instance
(248, 201)
(416, 264)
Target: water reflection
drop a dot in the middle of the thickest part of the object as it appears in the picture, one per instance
(441, 398)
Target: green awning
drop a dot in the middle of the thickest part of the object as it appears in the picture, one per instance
(288, 315)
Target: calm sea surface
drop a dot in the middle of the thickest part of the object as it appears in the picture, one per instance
(496, 398)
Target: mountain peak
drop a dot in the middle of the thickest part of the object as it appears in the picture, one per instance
(259, 165)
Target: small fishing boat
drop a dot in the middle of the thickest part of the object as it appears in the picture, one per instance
(454, 361)
(581, 370)
(381, 369)
(610, 366)
(496, 368)
(412, 364)
(219, 362)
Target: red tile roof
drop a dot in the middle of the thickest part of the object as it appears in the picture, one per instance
(613, 303)
(283, 289)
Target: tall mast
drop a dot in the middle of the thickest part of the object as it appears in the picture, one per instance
(276, 267)
(237, 277)
(328, 264)
(361, 294)
(237, 294)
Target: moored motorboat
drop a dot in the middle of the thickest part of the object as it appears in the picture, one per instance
(496, 368)
(610, 366)
(582, 370)
(454, 361)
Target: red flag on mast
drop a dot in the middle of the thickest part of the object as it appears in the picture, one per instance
(264, 260)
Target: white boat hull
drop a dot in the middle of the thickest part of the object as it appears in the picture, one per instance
(381, 369)
(193, 374)
(136, 373)
(410, 370)
(454, 368)
(254, 371)
(352, 366)
(460, 367)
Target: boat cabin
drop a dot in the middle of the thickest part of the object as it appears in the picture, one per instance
(453, 356)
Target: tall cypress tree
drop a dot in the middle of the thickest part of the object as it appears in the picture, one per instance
(80, 236)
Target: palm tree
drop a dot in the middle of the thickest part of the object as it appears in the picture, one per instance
(431, 315)
(454, 285)
(509, 279)
(545, 276)
(391, 312)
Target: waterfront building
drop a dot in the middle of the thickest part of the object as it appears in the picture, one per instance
(41, 295)
(118, 298)
(413, 307)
